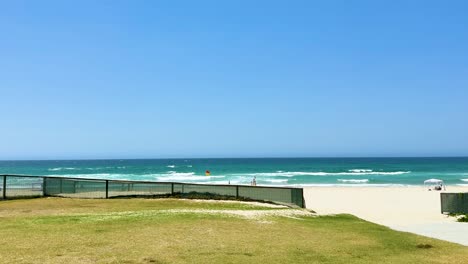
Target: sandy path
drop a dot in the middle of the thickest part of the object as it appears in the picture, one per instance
(411, 209)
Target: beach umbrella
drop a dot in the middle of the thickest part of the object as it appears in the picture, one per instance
(434, 182)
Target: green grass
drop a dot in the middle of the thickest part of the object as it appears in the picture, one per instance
(59, 230)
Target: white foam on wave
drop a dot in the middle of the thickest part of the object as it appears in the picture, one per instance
(91, 175)
(354, 180)
(98, 168)
(224, 182)
(181, 176)
(175, 173)
(465, 180)
(350, 185)
(104, 168)
(59, 169)
(277, 180)
(360, 170)
(169, 176)
(319, 173)
(170, 166)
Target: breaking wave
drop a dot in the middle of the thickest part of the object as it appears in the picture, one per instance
(359, 170)
(465, 180)
(354, 180)
(351, 185)
(89, 168)
(168, 176)
(183, 176)
(93, 176)
(59, 169)
(320, 173)
(277, 180)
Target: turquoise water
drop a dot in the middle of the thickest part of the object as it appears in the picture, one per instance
(268, 171)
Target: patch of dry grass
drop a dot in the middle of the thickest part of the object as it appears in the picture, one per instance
(55, 230)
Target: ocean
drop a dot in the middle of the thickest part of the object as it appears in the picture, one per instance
(267, 171)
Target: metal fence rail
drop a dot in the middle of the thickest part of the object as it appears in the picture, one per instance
(12, 186)
(456, 203)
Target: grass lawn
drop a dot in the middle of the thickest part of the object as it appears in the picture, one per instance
(61, 230)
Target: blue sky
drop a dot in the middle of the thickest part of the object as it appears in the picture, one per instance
(157, 79)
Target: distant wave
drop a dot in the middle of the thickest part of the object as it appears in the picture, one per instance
(169, 176)
(89, 168)
(354, 180)
(360, 170)
(183, 176)
(277, 180)
(105, 168)
(351, 185)
(170, 166)
(93, 175)
(59, 169)
(175, 173)
(319, 173)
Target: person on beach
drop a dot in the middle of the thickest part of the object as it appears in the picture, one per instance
(254, 181)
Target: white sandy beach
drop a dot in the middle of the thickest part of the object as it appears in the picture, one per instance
(410, 209)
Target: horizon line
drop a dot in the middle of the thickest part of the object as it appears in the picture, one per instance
(297, 157)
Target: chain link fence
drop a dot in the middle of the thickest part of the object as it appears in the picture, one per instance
(454, 203)
(15, 186)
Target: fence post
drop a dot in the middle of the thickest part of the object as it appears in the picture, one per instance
(172, 188)
(107, 189)
(237, 191)
(44, 192)
(293, 196)
(441, 203)
(4, 186)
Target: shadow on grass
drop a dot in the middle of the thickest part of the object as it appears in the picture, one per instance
(198, 196)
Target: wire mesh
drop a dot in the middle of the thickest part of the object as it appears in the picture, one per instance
(200, 188)
(75, 188)
(133, 189)
(283, 195)
(25, 186)
(456, 203)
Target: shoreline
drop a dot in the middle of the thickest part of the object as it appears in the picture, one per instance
(383, 185)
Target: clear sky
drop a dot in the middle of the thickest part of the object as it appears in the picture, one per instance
(156, 79)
